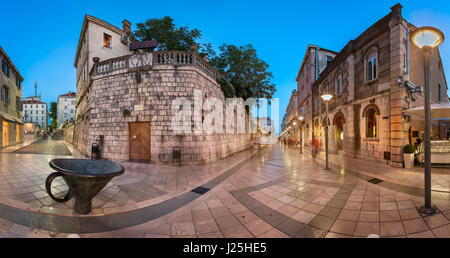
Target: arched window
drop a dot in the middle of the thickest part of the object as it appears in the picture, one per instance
(371, 123)
(371, 66)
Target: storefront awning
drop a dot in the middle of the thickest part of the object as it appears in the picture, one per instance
(11, 118)
(438, 111)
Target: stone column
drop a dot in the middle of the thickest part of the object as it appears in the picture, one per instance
(397, 53)
(332, 139)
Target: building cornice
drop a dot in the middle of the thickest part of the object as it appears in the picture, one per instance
(11, 62)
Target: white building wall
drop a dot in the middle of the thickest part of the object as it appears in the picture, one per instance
(36, 113)
(95, 42)
(66, 109)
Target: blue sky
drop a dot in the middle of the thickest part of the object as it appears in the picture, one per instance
(41, 36)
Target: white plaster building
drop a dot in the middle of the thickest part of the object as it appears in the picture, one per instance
(35, 111)
(98, 39)
(66, 108)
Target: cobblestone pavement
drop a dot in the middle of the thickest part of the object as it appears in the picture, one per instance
(440, 180)
(27, 140)
(281, 193)
(22, 183)
(45, 146)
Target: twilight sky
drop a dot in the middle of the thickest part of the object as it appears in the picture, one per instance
(41, 36)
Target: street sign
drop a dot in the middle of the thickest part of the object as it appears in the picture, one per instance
(138, 107)
(143, 45)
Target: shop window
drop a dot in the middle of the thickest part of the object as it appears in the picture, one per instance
(107, 40)
(371, 123)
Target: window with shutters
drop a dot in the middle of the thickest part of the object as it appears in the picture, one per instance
(5, 95)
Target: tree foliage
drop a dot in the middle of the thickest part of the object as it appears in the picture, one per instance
(167, 35)
(241, 66)
(245, 71)
(53, 114)
(227, 89)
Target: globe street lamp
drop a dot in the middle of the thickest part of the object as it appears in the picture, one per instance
(427, 38)
(326, 97)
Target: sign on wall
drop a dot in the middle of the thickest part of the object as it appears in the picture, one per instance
(143, 45)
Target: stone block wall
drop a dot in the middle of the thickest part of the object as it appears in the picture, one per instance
(111, 93)
(68, 133)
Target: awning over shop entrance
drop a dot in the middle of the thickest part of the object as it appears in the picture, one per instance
(438, 111)
(10, 118)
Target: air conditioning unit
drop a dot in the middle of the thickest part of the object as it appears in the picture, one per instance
(124, 40)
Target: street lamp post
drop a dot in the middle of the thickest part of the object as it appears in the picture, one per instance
(326, 97)
(427, 38)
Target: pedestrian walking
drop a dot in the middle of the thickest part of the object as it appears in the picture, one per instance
(314, 148)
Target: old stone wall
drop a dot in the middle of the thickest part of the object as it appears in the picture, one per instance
(112, 93)
(68, 133)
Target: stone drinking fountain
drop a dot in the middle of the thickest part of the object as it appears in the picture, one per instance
(85, 178)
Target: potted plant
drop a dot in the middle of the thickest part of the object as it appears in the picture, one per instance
(126, 112)
(408, 155)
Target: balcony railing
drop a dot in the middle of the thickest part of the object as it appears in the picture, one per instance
(157, 58)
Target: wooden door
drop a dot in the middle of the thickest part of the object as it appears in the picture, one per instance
(140, 141)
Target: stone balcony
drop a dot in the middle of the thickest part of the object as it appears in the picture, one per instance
(153, 59)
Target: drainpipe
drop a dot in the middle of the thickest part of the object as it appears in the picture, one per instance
(407, 49)
(315, 63)
(390, 142)
(407, 62)
(316, 68)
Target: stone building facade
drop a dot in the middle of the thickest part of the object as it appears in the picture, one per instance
(11, 125)
(98, 39)
(366, 115)
(314, 62)
(114, 95)
(125, 106)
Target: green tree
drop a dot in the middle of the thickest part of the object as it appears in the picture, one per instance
(53, 114)
(243, 68)
(167, 35)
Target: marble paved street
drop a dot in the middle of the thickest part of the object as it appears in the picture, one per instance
(278, 193)
(46, 146)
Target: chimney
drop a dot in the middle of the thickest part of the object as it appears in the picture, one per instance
(397, 9)
(126, 26)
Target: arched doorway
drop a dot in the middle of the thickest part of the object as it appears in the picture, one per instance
(338, 123)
